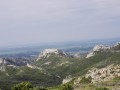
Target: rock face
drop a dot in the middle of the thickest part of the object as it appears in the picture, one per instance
(48, 52)
(98, 48)
(90, 54)
(33, 67)
(67, 79)
(104, 74)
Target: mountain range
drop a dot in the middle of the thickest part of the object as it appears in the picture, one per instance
(53, 67)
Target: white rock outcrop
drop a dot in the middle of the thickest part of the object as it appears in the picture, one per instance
(33, 67)
(48, 52)
(100, 48)
(90, 54)
(67, 79)
(97, 48)
(104, 74)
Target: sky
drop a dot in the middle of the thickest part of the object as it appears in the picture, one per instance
(39, 21)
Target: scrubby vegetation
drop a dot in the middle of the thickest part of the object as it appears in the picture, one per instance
(86, 80)
(66, 86)
(101, 88)
(29, 86)
(26, 86)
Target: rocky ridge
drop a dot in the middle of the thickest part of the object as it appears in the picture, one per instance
(103, 48)
(48, 52)
(98, 48)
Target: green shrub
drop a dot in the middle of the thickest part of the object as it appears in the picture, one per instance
(66, 87)
(117, 78)
(39, 88)
(26, 86)
(86, 80)
(22, 86)
(101, 88)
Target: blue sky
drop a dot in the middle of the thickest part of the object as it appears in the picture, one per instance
(37, 21)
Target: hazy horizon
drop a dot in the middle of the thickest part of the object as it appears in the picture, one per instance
(25, 45)
(41, 21)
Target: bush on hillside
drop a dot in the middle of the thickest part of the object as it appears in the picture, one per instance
(26, 86)
(22, 86)
(86, 80)
(66, 87)
(101, 88)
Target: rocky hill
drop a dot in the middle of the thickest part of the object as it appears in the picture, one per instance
(104, 73)
(48, 52)
(98, 48)
(102, 48)
(54, 67)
